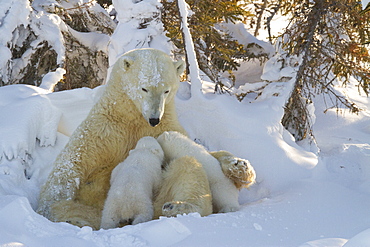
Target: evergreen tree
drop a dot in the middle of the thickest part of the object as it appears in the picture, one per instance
(216, 51)
(329, 36)
(261, 14)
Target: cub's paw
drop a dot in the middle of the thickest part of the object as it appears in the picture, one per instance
(141, 218)
(171, 209)
(228, 209)
(240, 171)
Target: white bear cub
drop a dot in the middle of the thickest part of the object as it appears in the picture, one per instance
(133, 183)
(224, 192)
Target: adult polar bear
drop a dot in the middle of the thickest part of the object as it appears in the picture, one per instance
(138, 101)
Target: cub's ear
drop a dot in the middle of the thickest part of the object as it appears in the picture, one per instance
(126, 62)
(179, 66)
(156, 151)
(166, 135)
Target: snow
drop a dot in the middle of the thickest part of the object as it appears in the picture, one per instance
(95, 41)
(52, 78)
(12, 14)
(365, 3)
(16, 20)
(130, 33)
(301, 198)
(239, 32)
(49, 28)
(20, 142)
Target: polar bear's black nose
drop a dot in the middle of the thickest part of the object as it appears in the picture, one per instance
(153, 121)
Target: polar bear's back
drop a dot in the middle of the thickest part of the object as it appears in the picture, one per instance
(141, 168)
(176, 145)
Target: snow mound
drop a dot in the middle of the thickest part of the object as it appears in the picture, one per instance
(361, 239)
(36, 118)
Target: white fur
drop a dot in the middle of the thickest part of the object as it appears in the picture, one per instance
(149, 88)
(224, 193)
(133, 183)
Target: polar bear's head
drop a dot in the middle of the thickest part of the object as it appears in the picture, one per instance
(150, 78)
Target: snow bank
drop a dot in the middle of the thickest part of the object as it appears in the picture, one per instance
(36, 118)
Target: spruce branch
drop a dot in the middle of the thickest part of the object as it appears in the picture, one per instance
(327, 35)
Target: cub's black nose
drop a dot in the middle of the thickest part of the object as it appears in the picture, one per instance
(153, 121)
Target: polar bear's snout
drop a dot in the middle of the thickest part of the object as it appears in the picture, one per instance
(153, 121)
(153, 105)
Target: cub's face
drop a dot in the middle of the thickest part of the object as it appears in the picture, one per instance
(150, 78)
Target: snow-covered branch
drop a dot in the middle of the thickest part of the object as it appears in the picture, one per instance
(196, 83)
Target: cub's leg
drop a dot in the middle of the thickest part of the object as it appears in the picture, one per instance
(184, 189)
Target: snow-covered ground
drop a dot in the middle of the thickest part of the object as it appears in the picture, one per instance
(301, 198)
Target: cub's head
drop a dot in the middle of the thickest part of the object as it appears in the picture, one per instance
(151, 144)
(150, 79)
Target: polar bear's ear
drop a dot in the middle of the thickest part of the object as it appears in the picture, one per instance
(180, 67)
(126, 62)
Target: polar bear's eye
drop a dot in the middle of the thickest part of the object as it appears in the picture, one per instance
(166, 92)
(144, 90)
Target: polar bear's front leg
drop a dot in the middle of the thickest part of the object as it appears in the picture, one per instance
(61, 184)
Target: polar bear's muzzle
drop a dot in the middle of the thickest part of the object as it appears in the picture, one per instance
(153, 109)
(153, 121)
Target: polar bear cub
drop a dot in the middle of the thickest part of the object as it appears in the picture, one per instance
(224, 193)
(133, 183)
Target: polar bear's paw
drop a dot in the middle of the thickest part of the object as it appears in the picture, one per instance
(239, 170)
(171, 209)
(77, 221)
(75, 213)
(228, 209)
